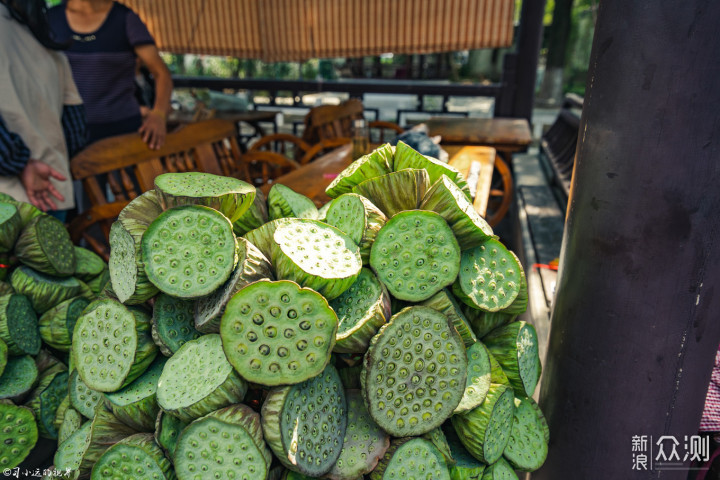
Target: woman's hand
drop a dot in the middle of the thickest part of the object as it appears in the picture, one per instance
(153, 129)
(35, 177)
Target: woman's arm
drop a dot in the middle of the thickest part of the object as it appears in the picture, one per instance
(74, 123)
(14, 154)
(153, 128)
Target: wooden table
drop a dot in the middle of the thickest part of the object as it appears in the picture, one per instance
(506, 135)
(251, 117)
(312, 179)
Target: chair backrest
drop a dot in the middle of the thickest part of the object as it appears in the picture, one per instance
(328, 122)
(130, 167)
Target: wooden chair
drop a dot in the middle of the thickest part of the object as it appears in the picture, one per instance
(259, 167)
(501, 192)
(328, 122)
(129, 168)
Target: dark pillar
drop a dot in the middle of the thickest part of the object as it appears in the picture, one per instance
(636, 323)
(528, 48)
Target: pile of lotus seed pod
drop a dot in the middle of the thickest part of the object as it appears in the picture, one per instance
(245, 338)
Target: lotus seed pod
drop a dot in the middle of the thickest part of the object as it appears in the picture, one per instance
(19, 378)
(134, 457)
(526, 450)
(407, 157)
(478, 378)
(198, 379)
(350, 376)
(44, 245)
(46, 398)
(415, 255)
(358, 218)
(515, 347)
(408, 187)
(283, 474)
(364, 444)
(89, 264)
(445, 303)
(57, 324)
(304, 424)
(414, 458)
(252, 266)
(136, 404)
(262, 237)
(445, 198)
(254, 217)
(227, 195)
(414, 372)
(3, 356)
(322, 211)
(362, 309)
(285, 203)
(167, 431)
(497, 375)
(6, 288)
(81, 450)
(44, 291)
(72, 420)
(485, 430)
(227, 443)
(10, 226)
(466, 467)
(519, 305)
(375, 164)
(27, 211)
(83, 399)
(500, 470)
(316, 255)
(189, 251)
(276, 333)
(173, 323)
(483, 322)
(19, 433)
(126, 265)
(541, 419)
(97, 284)
(490, 277)
(112, 345)
(436, 436)
(61, 409)
(18, 325)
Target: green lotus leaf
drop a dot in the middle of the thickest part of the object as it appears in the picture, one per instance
(415, 255)
(20, 376)
(526, 450)
(445, 198)
(227, 443)
(308, 444)
(189, 251)
(277, 333)
(414, 372)
(72, 420)
(18, 325)
(364, 444)
(254, 217)
(283, 202)
(227, 195)
(361, 309)
(407, 157)
(136, 404)
(408, 188)
(445, 303)
(316, 255)
(372, 165)
(45, 291)
(85, 400)
(112, 345)
(500, 470)
(20, 434)
(10, 226)
(490, 277)
(173, 323)
(478, 378)
(198, 379)
(252, 266)
(46, 398)
(515, 347)
(57, 324)
(89, 264)
(358, 218)
(167, 431)
(485, 430)
(135, 457)
(44, 245)
(414, 458)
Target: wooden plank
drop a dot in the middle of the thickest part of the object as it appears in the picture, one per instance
(502, 133)
(480, 159)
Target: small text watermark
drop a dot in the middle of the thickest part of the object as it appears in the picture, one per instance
(668, 452)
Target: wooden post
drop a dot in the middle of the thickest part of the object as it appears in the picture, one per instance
(635, 327)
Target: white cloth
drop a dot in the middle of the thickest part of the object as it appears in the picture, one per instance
(35, 83)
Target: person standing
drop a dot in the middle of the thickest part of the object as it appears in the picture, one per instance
(42, 120)
(107, 38)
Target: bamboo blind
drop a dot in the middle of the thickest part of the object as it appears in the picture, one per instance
(294, 30)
